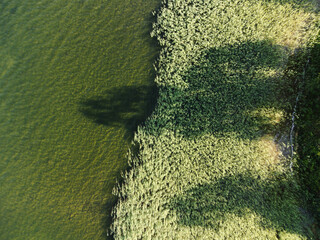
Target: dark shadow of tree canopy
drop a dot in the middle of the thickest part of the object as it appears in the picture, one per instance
(208, 205)
(227, 87)
(128, 106)
(308, 6)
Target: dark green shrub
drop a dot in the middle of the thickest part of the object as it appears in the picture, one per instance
(309, 129)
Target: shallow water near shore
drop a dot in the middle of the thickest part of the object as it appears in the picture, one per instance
(76, 78)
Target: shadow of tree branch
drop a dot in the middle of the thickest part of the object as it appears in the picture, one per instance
(124, 106)
(208, 204)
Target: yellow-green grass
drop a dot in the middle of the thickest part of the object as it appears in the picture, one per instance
(208, 165)
(75, 79)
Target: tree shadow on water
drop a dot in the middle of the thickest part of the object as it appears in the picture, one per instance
(126, 106)
(209, 205)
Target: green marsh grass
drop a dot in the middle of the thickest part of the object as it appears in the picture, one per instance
(208, 165)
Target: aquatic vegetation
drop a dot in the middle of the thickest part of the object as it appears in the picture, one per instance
(207, 165)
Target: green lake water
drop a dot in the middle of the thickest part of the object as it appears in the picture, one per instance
(76, 77)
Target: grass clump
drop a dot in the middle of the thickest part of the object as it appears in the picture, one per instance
(208, 166)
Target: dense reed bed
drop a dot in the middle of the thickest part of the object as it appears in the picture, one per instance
(207, 164)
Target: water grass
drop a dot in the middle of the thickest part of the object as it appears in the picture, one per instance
(208, 165)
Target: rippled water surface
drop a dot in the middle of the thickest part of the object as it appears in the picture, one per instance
(75, 80)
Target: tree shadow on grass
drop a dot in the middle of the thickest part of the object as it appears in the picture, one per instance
(125, 106)
(231, 89)
(209, 205)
